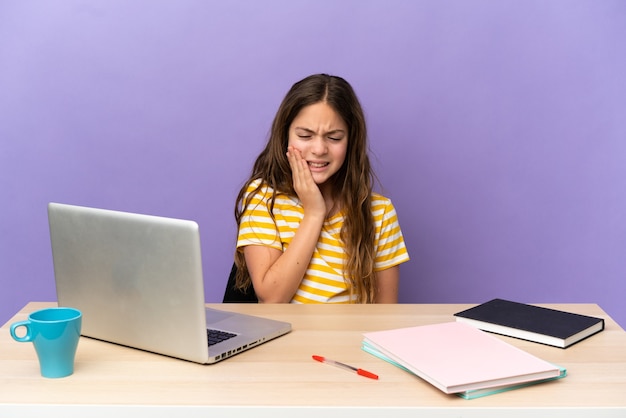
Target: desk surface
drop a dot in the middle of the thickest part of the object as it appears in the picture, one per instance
(279, 376)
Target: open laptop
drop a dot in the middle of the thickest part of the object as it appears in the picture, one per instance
(138, 281)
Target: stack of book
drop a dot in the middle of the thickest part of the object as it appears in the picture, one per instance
(460, 359)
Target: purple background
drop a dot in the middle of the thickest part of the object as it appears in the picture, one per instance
(498, 129)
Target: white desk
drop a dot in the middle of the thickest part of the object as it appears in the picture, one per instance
(279, 378)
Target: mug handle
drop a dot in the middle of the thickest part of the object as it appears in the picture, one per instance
(26, 338)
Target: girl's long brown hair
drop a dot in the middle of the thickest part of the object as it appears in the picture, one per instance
(352, 184)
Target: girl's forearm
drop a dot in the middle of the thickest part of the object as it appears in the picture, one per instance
(280, 282)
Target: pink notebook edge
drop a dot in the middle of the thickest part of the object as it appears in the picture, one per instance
(462, 373)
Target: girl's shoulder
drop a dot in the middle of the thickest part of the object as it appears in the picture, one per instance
(259, 189)
(378, 199)
(259, 186)
(382, 205)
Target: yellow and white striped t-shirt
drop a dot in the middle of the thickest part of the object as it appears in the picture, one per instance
(323, 281)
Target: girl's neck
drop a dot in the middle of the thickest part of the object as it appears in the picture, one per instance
(331, 204)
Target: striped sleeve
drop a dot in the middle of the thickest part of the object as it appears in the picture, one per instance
(390, 247)
(257, 226)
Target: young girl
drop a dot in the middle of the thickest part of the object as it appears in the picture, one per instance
(310, 228)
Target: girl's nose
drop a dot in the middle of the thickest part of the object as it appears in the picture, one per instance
(318, 146)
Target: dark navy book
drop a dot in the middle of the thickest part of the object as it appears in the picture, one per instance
(532, 323)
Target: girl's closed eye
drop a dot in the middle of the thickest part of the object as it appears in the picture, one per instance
(303, 133)
(336, 135)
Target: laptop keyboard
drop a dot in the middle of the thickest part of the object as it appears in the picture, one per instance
(217, 336)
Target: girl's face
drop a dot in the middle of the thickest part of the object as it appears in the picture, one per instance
(321, 136)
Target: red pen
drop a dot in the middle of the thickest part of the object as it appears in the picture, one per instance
(346, 367)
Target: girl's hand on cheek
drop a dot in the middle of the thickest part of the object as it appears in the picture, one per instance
(308, 192)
